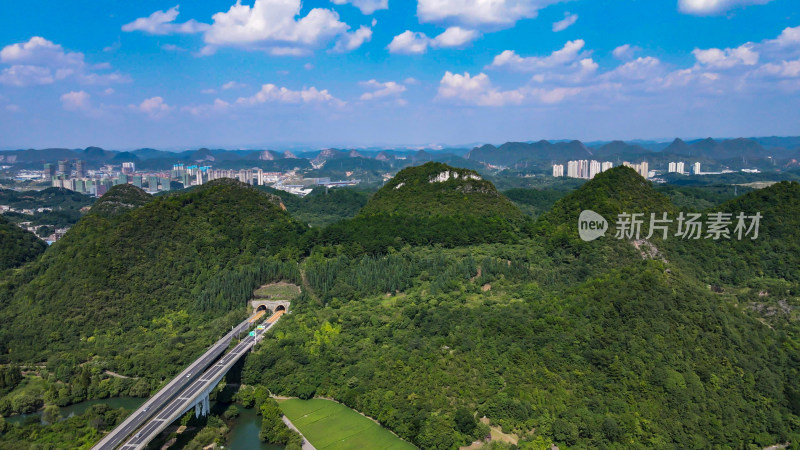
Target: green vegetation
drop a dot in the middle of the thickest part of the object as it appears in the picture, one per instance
(143, 292)
(65, 206)
(119, 200)
(323, 206)
(701, 197)
(330, 425)
(425, 205)
(534, 202)
(77, 432)
(278, 291)
(437, 304)
(273, 430)
(17, 246)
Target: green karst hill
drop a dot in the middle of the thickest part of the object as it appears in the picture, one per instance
(144, 289)
(430, 204)
(438, 190)
(120, 199)
(17, 246)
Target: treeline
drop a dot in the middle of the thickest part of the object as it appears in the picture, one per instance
(348, 278)
(230, 289)
(80, 431)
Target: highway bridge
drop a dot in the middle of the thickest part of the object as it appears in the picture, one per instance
(190, 389)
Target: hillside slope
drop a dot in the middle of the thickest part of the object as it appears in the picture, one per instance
(592, 345)
(17, 246)
(140, 289)
(429, 204)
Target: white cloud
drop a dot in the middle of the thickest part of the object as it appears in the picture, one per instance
(789, 36)
(479, 13)
(12, 108)
(75, 101)
(565, 23)
(625, 52)
(410, 42)
(707, 7)
(782, 69)
(353, 40)
(163, 22)
(477, 90)
(219, 106)
(644, 68)
(232, 85)
(26, 76)
(38, 51)
(270, 93)
(39, 61)
(727, 58)
(366, 6)
(108, 91)
(381, 90)
(568, 54)
(455, 37)
(155, 107)
(273, 25)
(209, 91)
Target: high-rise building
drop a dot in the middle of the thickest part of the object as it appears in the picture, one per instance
(64, 167)
(164, 183)
(696, 168)
(672, 167)
(49, 171)
(680, 168)
(606, 165)
(572, 169)
(128, 168)
(79, 170)
(152, 183)
(137, 181)
(594, 168)
(558, 170)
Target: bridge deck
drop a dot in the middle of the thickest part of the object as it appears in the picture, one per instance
(198, 389)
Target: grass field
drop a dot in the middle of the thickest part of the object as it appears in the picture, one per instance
(278, 291)
(331, 426)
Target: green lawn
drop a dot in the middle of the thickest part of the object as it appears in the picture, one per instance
(330, 425)
(278, 291)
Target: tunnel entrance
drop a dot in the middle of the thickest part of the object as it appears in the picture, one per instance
(280, 308)
(262, 308)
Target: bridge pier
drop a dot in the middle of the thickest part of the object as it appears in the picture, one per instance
(202, 406)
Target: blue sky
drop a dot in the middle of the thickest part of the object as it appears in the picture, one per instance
(274, 73)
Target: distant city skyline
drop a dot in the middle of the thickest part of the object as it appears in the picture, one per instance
(389, 73)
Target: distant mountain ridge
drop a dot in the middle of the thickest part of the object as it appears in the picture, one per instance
(508, 154)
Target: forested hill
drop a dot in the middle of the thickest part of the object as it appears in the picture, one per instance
(120, 199)
(771, 260)
(17, 246)
(426, 205)
(436, 189)
(147, 289)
